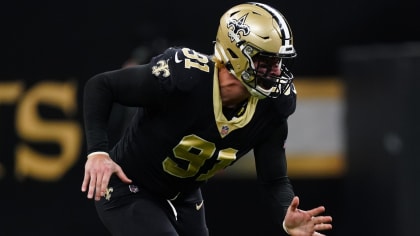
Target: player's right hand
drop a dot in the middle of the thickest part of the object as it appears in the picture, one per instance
(98, 170)
(306, 223)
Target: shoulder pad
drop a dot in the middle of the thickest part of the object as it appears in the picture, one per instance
(179, 67)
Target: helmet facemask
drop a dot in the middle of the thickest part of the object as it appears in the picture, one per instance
(259, 76)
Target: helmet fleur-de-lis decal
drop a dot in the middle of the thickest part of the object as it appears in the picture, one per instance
(236, 27)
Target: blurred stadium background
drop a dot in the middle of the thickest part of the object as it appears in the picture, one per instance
(353, 143)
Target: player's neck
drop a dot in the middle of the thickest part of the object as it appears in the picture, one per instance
(232, 92)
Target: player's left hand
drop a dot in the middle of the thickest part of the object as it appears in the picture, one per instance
(306, 223)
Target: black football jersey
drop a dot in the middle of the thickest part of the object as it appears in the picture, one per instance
(181, 135)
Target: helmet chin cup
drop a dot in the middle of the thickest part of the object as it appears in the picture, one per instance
(256, 94)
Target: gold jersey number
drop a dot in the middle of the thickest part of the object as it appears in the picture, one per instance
(194, 151)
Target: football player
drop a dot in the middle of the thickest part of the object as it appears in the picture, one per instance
(199, 114)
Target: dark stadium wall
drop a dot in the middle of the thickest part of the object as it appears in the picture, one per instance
(383, 106)
(49, 49)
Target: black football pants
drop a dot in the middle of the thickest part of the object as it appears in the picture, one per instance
(130, 211)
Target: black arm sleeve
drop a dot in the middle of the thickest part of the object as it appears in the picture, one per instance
(275, 187)
(134, 86)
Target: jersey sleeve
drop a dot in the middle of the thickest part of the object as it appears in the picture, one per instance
(150, 85)
(134, 86)
(275, 188)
